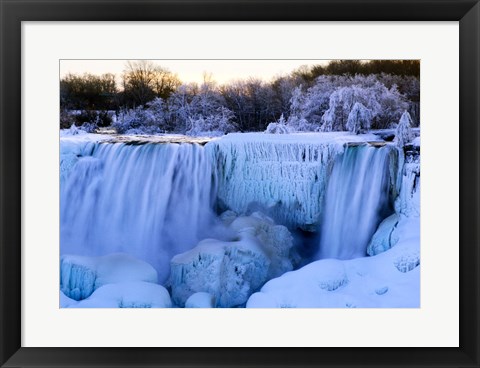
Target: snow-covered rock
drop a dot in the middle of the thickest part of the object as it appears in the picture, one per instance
(382, 239)
(276, 240)
(232, 271)
(81, 276)
(200, 300)
(283, 175)
(128, 295)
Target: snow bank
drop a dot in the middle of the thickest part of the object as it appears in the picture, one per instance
(390, 279)
(284, 175)
(65, 301)
(81, 276)
(127, 295)
(231, 271)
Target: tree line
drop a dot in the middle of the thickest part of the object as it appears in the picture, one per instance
(151, 99)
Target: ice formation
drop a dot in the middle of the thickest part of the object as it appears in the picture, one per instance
(81, 276)
(282, 175)
(232, 271)
(382, 239)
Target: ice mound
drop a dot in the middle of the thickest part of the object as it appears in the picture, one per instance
(407, 262)
(390, 279)
(284, 175)
(276, 240)
(128, 295)
(382, 239)
(81, 276)
(231, 271)
(200, 300)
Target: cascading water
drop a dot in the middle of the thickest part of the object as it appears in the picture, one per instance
(357, 200)
(152, 201)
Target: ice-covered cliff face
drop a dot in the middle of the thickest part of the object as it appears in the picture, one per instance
(283, 176)
(151, 200)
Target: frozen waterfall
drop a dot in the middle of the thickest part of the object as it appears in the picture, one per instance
(152, 201)
(357, 200)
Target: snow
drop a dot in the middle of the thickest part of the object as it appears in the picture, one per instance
(390, 279)
(283, 175)
(65, 301)
(231, 271)
(127, 295)
(81, 276)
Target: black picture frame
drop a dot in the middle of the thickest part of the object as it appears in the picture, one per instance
(13, 12)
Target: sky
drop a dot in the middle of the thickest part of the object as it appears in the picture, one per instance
(188, 71)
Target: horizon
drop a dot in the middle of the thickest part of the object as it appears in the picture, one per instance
(193, 71)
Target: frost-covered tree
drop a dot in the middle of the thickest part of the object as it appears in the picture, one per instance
(298, 110)
(403, 133)
(278, 127)
(214, 124)
(327, 104)
(359, 119)
(149, 120)
(179, 107)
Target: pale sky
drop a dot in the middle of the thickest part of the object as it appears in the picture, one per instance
(192, 70)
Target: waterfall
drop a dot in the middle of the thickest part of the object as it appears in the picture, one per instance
(152, 201)
(357, 200)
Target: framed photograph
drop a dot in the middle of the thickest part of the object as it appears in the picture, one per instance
(238, 183)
